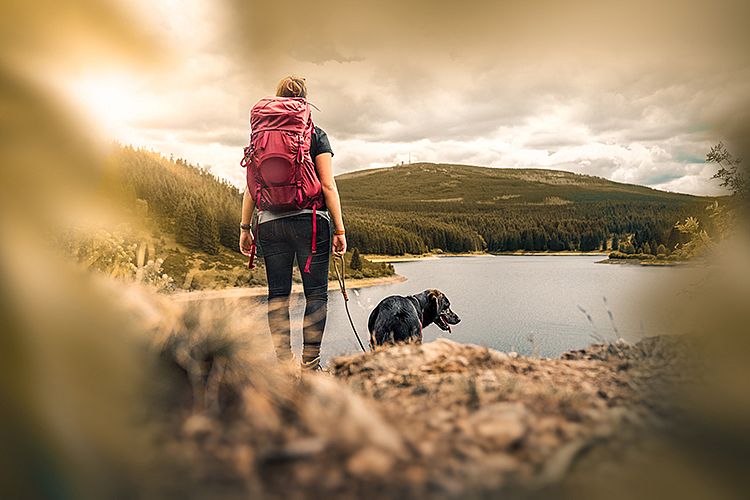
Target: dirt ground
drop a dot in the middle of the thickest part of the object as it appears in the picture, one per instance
(441, 420)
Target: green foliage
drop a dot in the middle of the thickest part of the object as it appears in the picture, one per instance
(631, 256)
(365, 231)
(627, 248)
(699, 240)
(730, 170)
(186, 227)
(690, 238)
(116, 253)
(356, 261)
(208, 229)
(365, 268)
(461, 208)
(202, 211)
(723, 217)
(456, 208)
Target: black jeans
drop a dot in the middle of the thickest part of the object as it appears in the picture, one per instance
(282, 241)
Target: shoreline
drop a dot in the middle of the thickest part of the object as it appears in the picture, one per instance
(647, 263)
(571, 253)
(261, 291)
(433, 256)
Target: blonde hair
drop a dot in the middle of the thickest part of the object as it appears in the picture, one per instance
(292, 86)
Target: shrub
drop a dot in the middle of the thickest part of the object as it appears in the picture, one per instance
(627, 248)
(356, 261)
(633, 256)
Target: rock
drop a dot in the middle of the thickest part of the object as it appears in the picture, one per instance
(426, 448)
(416, 475)
(243, 460)
(198, 427)
(358, 421)
(497, 356)
(370, 462)
(556, 467)
(298, 449)
(500, 462)
(499, 425)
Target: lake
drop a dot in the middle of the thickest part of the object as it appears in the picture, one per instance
(533, 305)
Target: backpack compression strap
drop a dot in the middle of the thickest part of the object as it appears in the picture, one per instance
(314, 237)
(253, 246)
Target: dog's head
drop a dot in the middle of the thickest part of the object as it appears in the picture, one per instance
(438, 307)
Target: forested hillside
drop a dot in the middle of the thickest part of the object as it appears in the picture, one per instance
(189, 219)
(457, 208)
(422, 207)
(201, 210)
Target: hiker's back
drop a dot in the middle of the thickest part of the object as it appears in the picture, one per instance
(281, 173)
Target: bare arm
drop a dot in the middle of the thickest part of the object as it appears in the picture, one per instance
(323, 163)
(246, 236)
(248, 205)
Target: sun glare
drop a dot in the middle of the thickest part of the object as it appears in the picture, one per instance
(108, 102)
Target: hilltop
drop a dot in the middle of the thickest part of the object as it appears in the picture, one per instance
(481, 188)
(457, 208)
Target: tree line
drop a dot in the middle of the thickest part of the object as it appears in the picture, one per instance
(587, 227)
(201, 210)
(203, 213)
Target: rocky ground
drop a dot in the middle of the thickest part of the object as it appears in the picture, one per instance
(441, 419)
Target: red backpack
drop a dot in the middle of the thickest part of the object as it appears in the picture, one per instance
(281, 173)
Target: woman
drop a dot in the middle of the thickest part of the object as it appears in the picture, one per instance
(287, 236)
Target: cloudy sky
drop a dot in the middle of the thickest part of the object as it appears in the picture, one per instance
(632, 91)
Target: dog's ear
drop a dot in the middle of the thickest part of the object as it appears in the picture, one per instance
(432, 308)
(439, 298)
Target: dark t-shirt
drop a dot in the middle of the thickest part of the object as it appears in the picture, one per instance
(319, 143)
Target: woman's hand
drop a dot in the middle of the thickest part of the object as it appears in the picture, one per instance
(246, 241)
(339, 244)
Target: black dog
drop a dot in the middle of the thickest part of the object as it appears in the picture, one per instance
(401, 319)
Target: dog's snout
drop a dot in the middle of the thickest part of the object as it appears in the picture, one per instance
(453, 318)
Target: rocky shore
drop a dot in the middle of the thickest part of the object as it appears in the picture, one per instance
(441, 420)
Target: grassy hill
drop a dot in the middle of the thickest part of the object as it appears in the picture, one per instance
(468, 208)
(466, 187)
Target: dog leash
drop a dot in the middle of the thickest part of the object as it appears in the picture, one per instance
(342, 285)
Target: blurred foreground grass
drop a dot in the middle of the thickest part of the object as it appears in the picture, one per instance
(109, 390)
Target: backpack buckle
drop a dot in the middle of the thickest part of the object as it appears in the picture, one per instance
(249, 150)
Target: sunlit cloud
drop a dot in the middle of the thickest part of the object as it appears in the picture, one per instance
(590, 90)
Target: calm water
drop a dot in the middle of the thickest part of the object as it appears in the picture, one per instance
(534, 305)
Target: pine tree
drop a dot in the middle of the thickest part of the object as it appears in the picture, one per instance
(187, 229)
(646, 248)
(356, 262)
(654, 246)
(208, 229)
(661, 250)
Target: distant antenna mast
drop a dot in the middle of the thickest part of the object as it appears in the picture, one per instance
(409, 157)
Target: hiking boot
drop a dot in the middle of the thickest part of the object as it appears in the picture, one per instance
(311, 366)
(290, 365)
